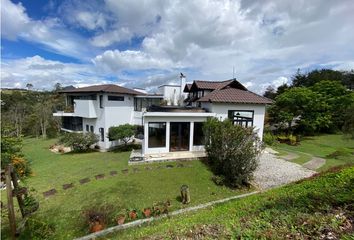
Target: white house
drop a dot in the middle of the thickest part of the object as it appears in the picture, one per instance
(166, 128)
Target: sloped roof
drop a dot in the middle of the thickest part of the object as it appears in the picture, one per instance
(187, 88)
(107, 88)
(234, 95)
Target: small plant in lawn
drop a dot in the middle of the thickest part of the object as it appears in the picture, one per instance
(36, 228)
(31, 204)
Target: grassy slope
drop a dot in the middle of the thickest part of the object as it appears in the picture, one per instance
(134, 190)
(322, 146)
(307, 209)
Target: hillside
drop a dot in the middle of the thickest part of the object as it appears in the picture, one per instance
(317, 208)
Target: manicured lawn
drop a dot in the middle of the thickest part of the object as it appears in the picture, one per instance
(333, 147)
(318, 208)
(140, 189)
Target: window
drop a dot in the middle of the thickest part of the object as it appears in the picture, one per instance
(87, 128)
(140, 103)
(157, 134)
(101, 101)
(243, 118)
(115, 98)
(198, 134)
(101, 130)
(91, 128)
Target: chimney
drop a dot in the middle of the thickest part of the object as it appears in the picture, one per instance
(183, 83)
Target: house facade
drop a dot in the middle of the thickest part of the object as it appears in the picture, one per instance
(168, 128)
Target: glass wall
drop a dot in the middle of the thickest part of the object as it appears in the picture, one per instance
(198, 134)
(140, 103)
(157, 134)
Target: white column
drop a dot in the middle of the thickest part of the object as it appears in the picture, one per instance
(168, 136)
(191, 131)
(146, 137)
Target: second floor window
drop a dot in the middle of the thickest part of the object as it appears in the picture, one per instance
(115, 98)
(243, 117)
(101, 101)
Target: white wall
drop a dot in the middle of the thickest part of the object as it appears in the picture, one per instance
(170, 93)
(221, 110)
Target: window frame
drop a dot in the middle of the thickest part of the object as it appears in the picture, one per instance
(231, 116)
(164, 141)
(101, 101)
(194, 128)
(101, 131)
(92, 129)
(115, 98)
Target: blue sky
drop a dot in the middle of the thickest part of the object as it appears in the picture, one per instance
(140, 43)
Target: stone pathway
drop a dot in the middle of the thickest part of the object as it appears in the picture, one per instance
(315, 163)
(290, 156)
(273, 171)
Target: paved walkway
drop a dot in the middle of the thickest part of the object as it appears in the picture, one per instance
(314, 163)
(273, 171)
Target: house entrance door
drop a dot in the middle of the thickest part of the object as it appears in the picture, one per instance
(179, 136)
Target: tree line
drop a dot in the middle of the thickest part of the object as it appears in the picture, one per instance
(315, 102)
(30, 113)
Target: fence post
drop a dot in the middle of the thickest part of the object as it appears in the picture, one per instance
(10, 202)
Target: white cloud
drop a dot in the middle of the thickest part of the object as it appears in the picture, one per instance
(266, 41)
(117, 60)
(43, 74)
(49, 32)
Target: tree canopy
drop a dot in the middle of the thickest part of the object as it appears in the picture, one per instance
(123, 133)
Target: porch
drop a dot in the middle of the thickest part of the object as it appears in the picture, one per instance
(137, 157)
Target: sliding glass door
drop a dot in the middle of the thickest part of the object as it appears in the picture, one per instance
(179, 136)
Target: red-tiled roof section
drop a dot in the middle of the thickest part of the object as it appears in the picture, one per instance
(234, 95)
(187, 88)
(108, 88)
(210, 85)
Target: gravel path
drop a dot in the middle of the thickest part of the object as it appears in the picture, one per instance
(273, 172)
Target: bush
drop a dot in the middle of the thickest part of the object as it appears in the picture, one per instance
(37, 228)
(288, 139)
(123, 133)
(269, 139)
(232, 151)
(79, 142)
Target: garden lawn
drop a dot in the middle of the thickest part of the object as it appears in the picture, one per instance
(336, 149)
(317, 208)
(64, 211)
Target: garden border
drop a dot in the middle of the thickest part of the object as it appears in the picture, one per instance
(151, 219)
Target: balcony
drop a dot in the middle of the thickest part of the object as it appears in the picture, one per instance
(85, 108)
(82, 108)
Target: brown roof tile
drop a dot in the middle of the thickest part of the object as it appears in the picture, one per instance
(234, 95)
(108, 88)
(187, 88)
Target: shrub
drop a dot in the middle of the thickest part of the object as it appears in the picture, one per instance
(79, 142)
(123, 133)
(289, 139)
(269, 139)
(37, 228)
(232, 151)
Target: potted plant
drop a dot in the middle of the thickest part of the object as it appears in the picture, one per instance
(133, 214)
(95, 219)
(147, 212)
(121, 217)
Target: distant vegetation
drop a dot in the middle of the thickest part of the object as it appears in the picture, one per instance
(30, 113)
(321, 101)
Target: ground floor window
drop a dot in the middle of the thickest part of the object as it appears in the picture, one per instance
(157, 134)
(87, 128)
(241, 117)
(101, 130)
(91, 128)
(198, 135)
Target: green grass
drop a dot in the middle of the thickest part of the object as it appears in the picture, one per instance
(64, 211)
(322, 146)
(304, 210)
